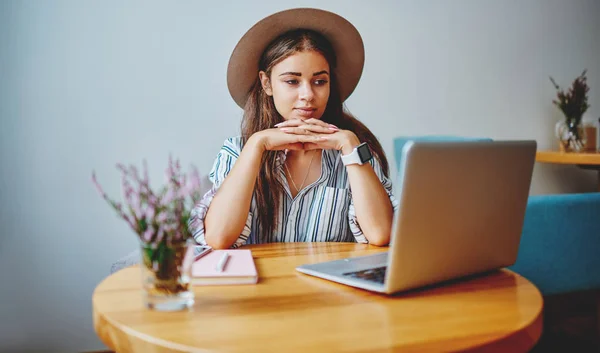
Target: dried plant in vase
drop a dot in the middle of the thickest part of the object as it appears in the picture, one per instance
(573, 104)
(160, 220)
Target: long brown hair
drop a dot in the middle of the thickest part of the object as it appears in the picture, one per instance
(260, 114)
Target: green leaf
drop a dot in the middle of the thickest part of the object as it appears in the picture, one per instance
(148, 256)
(143, 224)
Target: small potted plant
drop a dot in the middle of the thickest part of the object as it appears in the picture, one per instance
(573, 104)
(160, 220)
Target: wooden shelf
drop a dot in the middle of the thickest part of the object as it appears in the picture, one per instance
(587, 158)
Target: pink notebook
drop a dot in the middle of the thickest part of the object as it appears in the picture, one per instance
(239, 269)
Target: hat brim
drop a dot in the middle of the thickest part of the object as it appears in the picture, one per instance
(242, 71)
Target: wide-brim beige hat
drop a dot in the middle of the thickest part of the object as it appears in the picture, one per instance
(347, 43)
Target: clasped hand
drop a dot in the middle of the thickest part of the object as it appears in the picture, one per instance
(310, 134)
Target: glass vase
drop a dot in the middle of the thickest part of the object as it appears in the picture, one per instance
(571, 136)
(166, 272)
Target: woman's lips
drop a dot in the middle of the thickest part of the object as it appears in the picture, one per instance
(306, 111)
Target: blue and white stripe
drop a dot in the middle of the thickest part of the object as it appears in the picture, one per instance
(321, 212)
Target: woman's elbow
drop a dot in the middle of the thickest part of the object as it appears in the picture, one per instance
(217, 242)
(378, 238)
(220, 237)
(378, 234)
(380, 241)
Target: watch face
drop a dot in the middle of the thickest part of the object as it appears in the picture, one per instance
(364, 153)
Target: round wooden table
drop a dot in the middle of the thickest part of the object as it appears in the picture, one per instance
(292, 312)
(584, 160)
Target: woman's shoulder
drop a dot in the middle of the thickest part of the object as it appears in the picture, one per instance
(233, 140)
(232, 145)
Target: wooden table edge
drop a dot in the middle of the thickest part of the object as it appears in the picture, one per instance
(135, 338)
(524, 338)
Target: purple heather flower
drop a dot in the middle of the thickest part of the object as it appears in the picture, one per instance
(141, 203)
(98, 187)
(134, 173)
(150, 212)
(169, 197)
(122, 168)
(119, 207)
(127, 190)
(161, 218)
(195, 178)
(148, 234)
(170, 172)
(160, 234)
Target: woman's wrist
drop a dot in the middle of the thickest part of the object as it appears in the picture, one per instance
(349, 142)
(256, 143)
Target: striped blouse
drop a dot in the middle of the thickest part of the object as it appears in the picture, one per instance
(321, 211)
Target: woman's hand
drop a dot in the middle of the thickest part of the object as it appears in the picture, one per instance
(321, 135)
(275, 139)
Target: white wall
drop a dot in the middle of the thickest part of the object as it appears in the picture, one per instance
(85, 84)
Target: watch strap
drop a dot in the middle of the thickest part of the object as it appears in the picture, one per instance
(351, 158)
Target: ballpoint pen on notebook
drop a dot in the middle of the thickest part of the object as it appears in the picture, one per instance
(222, 262)
(200, 251)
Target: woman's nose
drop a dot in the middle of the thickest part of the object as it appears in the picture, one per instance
(306, 92)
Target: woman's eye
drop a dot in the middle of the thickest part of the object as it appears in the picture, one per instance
(320, 82)
(292, 82)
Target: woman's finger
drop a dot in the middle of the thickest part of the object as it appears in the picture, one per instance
(319, 128)
(300, 122)
(291, 122)
(296, 130)
(308, 130)
(310, 139)
(319, 122)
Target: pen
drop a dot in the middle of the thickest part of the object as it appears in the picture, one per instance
(201, 251)
(222, 262)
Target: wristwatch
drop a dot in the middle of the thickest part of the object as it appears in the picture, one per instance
(360, 155)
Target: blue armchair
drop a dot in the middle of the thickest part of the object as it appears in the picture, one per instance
(560, 254)
(560, 243)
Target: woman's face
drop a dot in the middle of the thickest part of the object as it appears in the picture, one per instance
(299, 85)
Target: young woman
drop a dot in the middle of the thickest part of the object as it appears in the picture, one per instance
(303, 168)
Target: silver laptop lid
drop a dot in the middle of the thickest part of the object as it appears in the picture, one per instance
(462, 206)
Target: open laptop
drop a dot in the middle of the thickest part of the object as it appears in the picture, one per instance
(461, 212)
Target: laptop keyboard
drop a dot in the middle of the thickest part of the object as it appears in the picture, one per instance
(373, 274)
